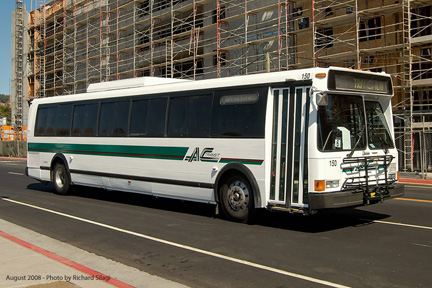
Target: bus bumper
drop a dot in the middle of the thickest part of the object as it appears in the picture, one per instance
(348, 198)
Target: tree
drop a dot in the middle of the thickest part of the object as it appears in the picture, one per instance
(4, 98)
(5, 111)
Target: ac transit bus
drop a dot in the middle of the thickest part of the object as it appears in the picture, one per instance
(296, 141)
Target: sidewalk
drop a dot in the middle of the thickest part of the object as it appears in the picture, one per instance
(30, 259)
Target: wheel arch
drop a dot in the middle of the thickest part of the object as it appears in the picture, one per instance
(59, 158)
(237, 168)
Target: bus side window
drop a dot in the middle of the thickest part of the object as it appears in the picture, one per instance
(239, 113)
(189, 116)
(63, 120)
(114, 118)
(41, 120)
(106, 119)
(178, 117)
(138, 126)
(51, 121)
(121, 116)
(91, 119)
(78, 119)
(46, 121)
(84, 120)
(156, 117)
(199, 116)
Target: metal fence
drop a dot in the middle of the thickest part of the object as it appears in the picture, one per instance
(421, 142)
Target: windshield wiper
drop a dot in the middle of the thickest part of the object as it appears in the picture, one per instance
(384, 144)
(372, 128)
(358, 141)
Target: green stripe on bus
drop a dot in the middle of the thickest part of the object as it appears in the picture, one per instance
(346, 170)
(154, 152)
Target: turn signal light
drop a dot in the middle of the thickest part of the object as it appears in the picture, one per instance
(320, 75)
(320, 185)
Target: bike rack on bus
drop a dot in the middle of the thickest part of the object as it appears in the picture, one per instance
(361, 179)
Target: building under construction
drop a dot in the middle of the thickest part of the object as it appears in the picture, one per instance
(73, 43)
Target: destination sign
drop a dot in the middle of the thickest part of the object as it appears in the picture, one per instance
(372, 83)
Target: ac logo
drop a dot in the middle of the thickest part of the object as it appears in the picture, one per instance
(207, 155)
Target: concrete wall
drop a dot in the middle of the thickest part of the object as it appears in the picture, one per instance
(13, 149)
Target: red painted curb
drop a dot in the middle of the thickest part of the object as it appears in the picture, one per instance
(416, 181)
(67, 262)
(14, 158)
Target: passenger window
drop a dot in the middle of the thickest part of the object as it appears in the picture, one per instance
(178, 114)
(41, 121)
(121, 117)
(90, 119)
(239, 113)
(113, 119)
(63, 122)
(85, 119)
(78, 120)
(189, 116)
(46, 121)
(138, 125)
(199, 116)
(156, 117)
(106, 119)
(51, 121)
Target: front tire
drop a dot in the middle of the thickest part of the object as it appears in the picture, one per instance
(60, 179)
(236, 198)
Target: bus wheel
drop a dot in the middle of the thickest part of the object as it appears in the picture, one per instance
(60, 179)
(236, 198)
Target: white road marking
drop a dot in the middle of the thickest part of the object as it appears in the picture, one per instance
(422, 245)
(398, 224)
(197, 250)
(15, 173)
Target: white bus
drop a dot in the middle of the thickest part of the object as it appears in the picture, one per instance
(296, 141)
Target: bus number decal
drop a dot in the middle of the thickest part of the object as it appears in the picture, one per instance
(333, 163)
(306, 76)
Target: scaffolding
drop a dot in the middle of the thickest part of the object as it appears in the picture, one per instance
(19, 64)
(78, 42)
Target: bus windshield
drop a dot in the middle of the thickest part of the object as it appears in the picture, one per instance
(378, 131)
(342, 125)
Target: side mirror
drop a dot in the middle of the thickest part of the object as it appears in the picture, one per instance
(322, 99)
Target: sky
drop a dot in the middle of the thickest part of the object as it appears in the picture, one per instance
(6, 8)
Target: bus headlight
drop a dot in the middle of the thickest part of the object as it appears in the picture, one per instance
(392, 168)
(392, 172)
(332, 183)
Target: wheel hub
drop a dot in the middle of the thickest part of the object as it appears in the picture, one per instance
(238, 196)
(59, 178)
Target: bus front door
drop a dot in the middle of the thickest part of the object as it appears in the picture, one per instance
(289, 147)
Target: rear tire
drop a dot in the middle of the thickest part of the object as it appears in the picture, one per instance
(60, 179)
(236, 198)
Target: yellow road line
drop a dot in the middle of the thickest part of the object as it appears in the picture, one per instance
(416, 200)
